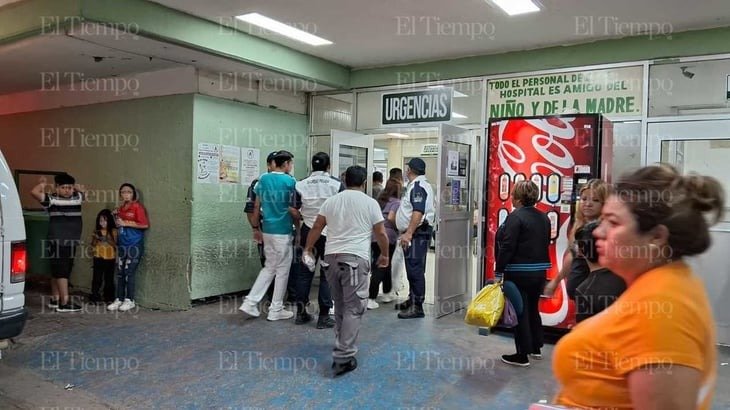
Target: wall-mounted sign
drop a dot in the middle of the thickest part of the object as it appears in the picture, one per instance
(415, 107)
(430, 150)
(610, 91)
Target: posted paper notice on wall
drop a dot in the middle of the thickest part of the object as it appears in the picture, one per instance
(230, 164)
(249, 165)
(208, 163)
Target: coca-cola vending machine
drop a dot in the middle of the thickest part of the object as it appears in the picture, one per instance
(559, 154)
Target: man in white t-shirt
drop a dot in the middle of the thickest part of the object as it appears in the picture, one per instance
(351, 217)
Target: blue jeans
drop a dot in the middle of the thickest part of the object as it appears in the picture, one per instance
(127, 263)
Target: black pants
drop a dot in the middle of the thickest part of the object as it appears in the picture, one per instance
(415, 257)
(103, 272)
(61, 254)
(528, 332)
(305, 276)
(380, 274)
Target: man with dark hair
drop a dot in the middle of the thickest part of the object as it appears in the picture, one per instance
(274, 193)
(351, 217)
(64, 233)
(415, 220)
(312, 192)
(248, 210)
(377, 184)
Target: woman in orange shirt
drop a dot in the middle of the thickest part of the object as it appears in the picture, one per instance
(654, 348)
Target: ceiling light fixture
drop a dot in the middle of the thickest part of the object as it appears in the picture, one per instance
(516, 7)
(397, 135)
(283, 29)
(457, 115)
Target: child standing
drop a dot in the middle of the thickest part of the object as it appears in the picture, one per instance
(131, 218)
(104, 242)
(64, 233)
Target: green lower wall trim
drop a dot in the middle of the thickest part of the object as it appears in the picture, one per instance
(224, 257)
(153, 152)
(689, 43)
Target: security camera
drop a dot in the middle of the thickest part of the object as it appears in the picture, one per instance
(686, 73)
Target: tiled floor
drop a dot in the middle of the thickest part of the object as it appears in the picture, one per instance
(210, 357)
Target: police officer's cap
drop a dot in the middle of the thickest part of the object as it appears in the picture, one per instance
(417, 165)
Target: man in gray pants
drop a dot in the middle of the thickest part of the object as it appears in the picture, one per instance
(352, 218)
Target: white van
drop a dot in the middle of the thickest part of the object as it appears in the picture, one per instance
(13, 257)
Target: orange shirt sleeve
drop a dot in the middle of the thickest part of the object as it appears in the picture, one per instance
(664, 330)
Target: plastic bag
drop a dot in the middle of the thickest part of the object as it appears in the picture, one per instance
(486, 308)
(509, 315)
(398, 268)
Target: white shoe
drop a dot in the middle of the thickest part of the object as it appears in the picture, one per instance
(387, 297)
(249, 309)
(332, 311)
(280, 315)
(372, 304)
(114, 305)
(126, 305)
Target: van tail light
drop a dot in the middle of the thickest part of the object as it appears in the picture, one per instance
(18, 261)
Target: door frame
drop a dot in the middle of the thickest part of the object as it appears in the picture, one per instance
(691, 130)
(454, 303)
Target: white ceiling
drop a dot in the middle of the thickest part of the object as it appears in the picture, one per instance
(26, 64)
(366, 33)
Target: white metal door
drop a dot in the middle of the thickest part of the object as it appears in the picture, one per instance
(702, 147)
(349, 148)
(454, 220)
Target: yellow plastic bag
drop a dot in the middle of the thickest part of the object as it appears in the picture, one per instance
(486, 308)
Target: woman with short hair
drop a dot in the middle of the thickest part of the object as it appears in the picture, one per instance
(522, 257)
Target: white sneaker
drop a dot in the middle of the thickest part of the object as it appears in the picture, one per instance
(372, 304)
(114, 305)
(387, 297)
(127, 305)
(249, 309)
(332, 311)
(280, 314)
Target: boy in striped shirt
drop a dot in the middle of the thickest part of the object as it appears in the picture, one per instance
(64, 233)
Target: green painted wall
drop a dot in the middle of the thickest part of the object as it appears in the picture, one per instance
(689, 43)
(153, 153)
(31, 17)
(224, 258)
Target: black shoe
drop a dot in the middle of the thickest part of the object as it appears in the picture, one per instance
(302, 318)
(516, 360)
(341, 368)
(325, 322)
(52, 304)
(68, 307)
(416, 312)
(404, 305)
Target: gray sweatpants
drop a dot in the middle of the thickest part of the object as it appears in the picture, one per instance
(348, 276)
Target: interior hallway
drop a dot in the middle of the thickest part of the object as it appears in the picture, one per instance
(210, 357)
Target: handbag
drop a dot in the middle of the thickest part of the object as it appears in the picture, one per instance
(509, 315)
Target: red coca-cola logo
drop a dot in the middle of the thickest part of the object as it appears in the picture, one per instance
(545, 147)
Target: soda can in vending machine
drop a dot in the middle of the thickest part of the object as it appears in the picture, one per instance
(546, 150)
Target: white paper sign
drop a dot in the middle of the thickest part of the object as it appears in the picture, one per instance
(208, 163)
(452, 168)
(230, 164)
(249, 165)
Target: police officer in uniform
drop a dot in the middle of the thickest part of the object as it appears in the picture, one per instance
(415, 220)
